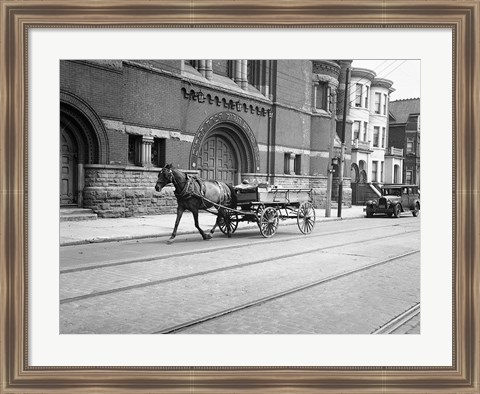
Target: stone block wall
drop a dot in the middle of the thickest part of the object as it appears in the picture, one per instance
(318, 184)
(117, 191)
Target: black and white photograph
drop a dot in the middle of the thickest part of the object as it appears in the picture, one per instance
(240, 196)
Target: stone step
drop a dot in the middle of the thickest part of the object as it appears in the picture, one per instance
(76, 214)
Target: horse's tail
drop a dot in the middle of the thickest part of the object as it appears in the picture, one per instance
(233, 197)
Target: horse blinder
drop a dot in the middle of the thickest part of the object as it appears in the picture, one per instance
(165, 177)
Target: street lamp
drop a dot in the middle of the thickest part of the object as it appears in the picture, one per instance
(334, 164)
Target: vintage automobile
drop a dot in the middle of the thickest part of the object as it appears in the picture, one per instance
(395, 199)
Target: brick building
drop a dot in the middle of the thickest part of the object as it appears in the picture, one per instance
(404, 124)
(230, 120)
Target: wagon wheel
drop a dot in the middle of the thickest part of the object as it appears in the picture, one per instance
(268, 222)
(232, 222)
(258, 213)
(306, 217)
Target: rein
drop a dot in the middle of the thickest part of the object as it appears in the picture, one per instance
(188, 191)
(184, 191)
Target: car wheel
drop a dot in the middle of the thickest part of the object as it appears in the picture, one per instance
(416, 211)
(396, 211)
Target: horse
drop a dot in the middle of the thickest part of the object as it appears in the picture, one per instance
(193, 194)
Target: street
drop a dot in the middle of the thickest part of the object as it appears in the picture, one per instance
(357, 276)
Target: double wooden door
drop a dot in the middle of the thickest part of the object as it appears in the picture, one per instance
(68, 167)
(218, 160)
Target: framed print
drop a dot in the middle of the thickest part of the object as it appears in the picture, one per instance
(115, 76)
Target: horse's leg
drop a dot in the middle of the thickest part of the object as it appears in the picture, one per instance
(215, 225)
(180, 211)
(227, 223)
(217, 222)
(195, 217)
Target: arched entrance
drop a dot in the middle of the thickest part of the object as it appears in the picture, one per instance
(68, 169)
(79, 145)
(360, 189)
(224, 148)
(218, 160)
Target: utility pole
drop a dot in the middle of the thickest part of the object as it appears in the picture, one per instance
(342, 151)
(333, 132)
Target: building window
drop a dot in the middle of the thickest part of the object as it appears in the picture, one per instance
(365, 131)
(382, 165)
(358, 95)
(254, 73)
(356, 130)
(158, 152)
(384, 104)
(378, 99)
(410, 147)
(384, 133)
(374, 171)
(376, 132)
(134, 149)
(408, 177)
(297, 164)
(367, 91)
(322, 96)
(286, 163)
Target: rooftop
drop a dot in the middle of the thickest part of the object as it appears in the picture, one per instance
(400, 109)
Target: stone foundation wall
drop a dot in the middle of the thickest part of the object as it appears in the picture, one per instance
(118, 191)
(318, 184)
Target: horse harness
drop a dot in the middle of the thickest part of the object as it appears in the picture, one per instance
(195, 187)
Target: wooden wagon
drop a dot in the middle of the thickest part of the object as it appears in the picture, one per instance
(267, 207)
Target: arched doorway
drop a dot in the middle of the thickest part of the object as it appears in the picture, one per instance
(79, 145)
(68, 169)
(224, 148)
(218, 160)
(360, 188)
(363, 176)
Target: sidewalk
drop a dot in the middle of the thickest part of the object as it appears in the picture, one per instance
(120, 229)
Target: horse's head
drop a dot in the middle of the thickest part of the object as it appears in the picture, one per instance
(165, 176)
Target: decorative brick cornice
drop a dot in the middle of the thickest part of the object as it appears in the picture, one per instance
(326, 67)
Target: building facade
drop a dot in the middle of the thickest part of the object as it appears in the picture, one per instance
(404, 124)
(372, 162)
(272, 121)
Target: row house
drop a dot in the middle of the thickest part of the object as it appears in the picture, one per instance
(404, 125)
(372, 162)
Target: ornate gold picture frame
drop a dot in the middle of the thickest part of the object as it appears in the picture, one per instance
(17, 17)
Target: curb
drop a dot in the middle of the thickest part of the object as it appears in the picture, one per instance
(186, 232)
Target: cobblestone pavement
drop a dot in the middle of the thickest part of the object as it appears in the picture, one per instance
(108, 289)
(350, 305)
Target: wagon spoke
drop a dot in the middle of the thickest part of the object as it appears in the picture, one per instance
(269, 222)
(306, 217)
(232, 223)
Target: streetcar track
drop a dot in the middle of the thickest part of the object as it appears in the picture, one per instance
(204, 251)
(399, 320)
(257, 302)
(215, 270)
